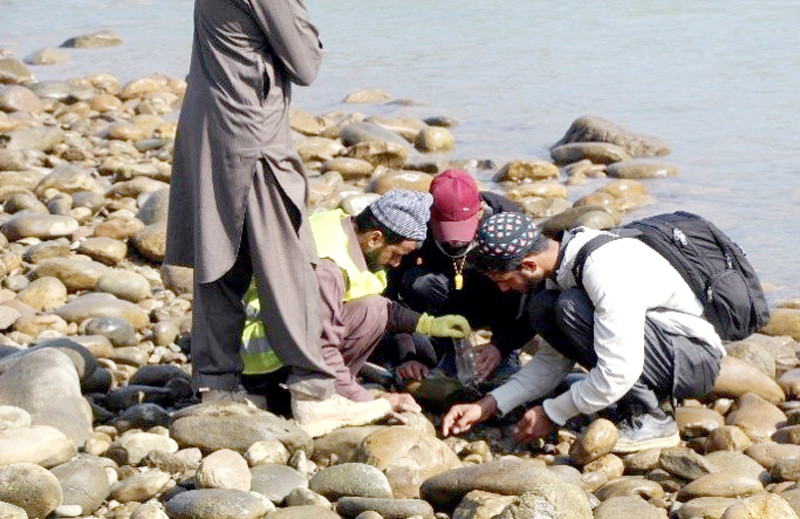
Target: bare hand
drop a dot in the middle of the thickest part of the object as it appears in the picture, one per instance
(413, 369)
(462, 417)
(402, 402)
(487, 358)
(533, 424)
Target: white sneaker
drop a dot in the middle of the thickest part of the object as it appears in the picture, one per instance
(319, 417)
(236, 397)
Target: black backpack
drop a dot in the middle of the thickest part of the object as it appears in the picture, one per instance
(712, 264)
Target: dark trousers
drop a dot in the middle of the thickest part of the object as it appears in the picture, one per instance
(272, 249)
(675, 366)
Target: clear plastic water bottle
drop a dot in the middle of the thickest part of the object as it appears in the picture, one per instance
(465, 362)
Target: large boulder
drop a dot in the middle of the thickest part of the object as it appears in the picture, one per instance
(590, 129)
(407, 456)
(212, 427)
(507, 476)
(45, 383)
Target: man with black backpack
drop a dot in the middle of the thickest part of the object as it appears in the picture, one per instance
(614, 304)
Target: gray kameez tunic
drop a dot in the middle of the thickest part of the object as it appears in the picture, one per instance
(245, 56)
(235, 171)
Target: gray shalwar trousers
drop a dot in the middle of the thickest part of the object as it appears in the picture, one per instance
(675, 366)
(274, 247)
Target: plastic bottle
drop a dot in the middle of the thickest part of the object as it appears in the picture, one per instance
(465, 362)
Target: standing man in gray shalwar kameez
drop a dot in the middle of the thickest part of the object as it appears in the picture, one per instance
(239, 192)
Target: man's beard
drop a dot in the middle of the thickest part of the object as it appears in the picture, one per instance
(372, 260)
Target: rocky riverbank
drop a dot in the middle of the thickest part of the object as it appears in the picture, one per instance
(97, 418)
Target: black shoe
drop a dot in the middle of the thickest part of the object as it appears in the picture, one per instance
(647, 431)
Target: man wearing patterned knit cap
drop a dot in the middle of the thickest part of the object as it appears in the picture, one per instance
(631, 321)
(353, 252)
(439, 278)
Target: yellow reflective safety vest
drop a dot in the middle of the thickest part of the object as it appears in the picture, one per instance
(331, 242)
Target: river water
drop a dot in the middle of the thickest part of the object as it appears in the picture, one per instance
(718, 81)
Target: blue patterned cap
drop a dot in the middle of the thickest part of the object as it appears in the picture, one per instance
(504, 238)
(404, 212)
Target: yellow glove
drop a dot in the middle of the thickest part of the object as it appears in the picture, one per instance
(454, 326)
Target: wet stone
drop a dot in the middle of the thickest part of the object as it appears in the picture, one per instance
(93, 40)
(641, 168)
(518, 170)
(597, 152)
(592, 129)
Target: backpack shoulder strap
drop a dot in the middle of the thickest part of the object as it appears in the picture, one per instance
(583, 254)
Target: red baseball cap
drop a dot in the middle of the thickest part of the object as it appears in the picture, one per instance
(456, 206)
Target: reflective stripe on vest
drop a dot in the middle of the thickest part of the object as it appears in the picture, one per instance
(330, 241)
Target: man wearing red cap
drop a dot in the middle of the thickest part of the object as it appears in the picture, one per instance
(438, 278)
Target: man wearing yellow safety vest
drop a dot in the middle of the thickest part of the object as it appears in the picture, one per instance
(353, 252)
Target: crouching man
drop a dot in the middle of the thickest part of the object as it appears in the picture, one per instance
(353, 252)
(632, 322)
